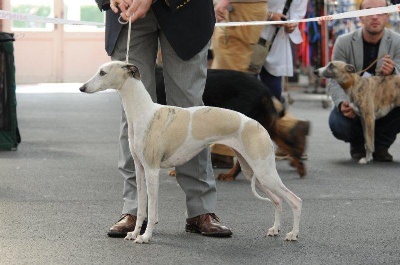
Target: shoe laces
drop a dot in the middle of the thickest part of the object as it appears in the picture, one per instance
(123, 216)
(212, 215)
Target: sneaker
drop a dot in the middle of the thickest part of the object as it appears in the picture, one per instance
(381, 154)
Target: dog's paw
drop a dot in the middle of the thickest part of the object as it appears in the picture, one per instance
(142, 239)
(291, 236)
(131, 236)
(363, 161)
(273, 231)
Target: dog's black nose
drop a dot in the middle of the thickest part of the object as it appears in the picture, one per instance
(316, 72)
(82, 89)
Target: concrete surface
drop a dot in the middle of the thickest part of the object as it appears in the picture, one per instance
(60, 192)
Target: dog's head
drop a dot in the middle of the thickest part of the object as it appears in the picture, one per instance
(342, 72)
(335, 70)
(111, 75)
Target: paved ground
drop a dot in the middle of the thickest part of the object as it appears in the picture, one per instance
(60, 192)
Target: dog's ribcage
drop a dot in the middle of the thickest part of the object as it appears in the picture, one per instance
(193, 129)
(383, 93)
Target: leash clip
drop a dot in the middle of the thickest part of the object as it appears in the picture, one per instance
(123, 22)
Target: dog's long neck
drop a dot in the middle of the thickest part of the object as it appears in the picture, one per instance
(135, 99)
(348, 82)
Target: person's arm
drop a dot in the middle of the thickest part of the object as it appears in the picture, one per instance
(396, 56)
(338, 54)
(297, 10)
(391, 62)
(132, 9)
(221, 10)
(388, 66)
(121, 5)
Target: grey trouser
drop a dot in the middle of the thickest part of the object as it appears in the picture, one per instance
(184, 82)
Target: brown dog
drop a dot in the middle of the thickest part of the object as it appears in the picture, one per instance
(373, 97)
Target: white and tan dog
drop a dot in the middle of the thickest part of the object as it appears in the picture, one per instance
(166, 136)
(372, 97)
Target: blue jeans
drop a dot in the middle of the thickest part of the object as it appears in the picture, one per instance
(274, 83)
(350, 130)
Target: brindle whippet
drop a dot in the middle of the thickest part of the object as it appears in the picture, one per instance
(372, 97)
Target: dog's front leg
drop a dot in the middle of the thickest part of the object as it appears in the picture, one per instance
(152, 178)
(141, 199)
(368, 126)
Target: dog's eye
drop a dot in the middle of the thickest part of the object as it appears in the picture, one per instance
(102, 73)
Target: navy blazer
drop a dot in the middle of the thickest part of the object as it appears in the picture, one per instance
(187, 24)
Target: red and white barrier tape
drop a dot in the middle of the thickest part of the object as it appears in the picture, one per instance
(351, 14)
(32, 18)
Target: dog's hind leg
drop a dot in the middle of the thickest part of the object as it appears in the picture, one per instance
(248, 172)
(246, 169)
(274, 230)
(295, 203)
(272, 184)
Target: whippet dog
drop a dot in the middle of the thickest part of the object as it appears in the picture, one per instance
(165, 136)
(372, 97)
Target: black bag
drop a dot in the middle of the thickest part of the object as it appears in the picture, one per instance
(9, 134)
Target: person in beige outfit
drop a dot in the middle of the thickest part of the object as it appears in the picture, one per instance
(232, 46)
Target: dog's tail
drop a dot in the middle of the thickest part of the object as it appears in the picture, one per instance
(253, 189)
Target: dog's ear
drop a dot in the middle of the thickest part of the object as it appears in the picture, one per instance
(350, 68)
(132, 70)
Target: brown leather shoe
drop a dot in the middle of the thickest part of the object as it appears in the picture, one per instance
(208, 225)
(125, 224)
